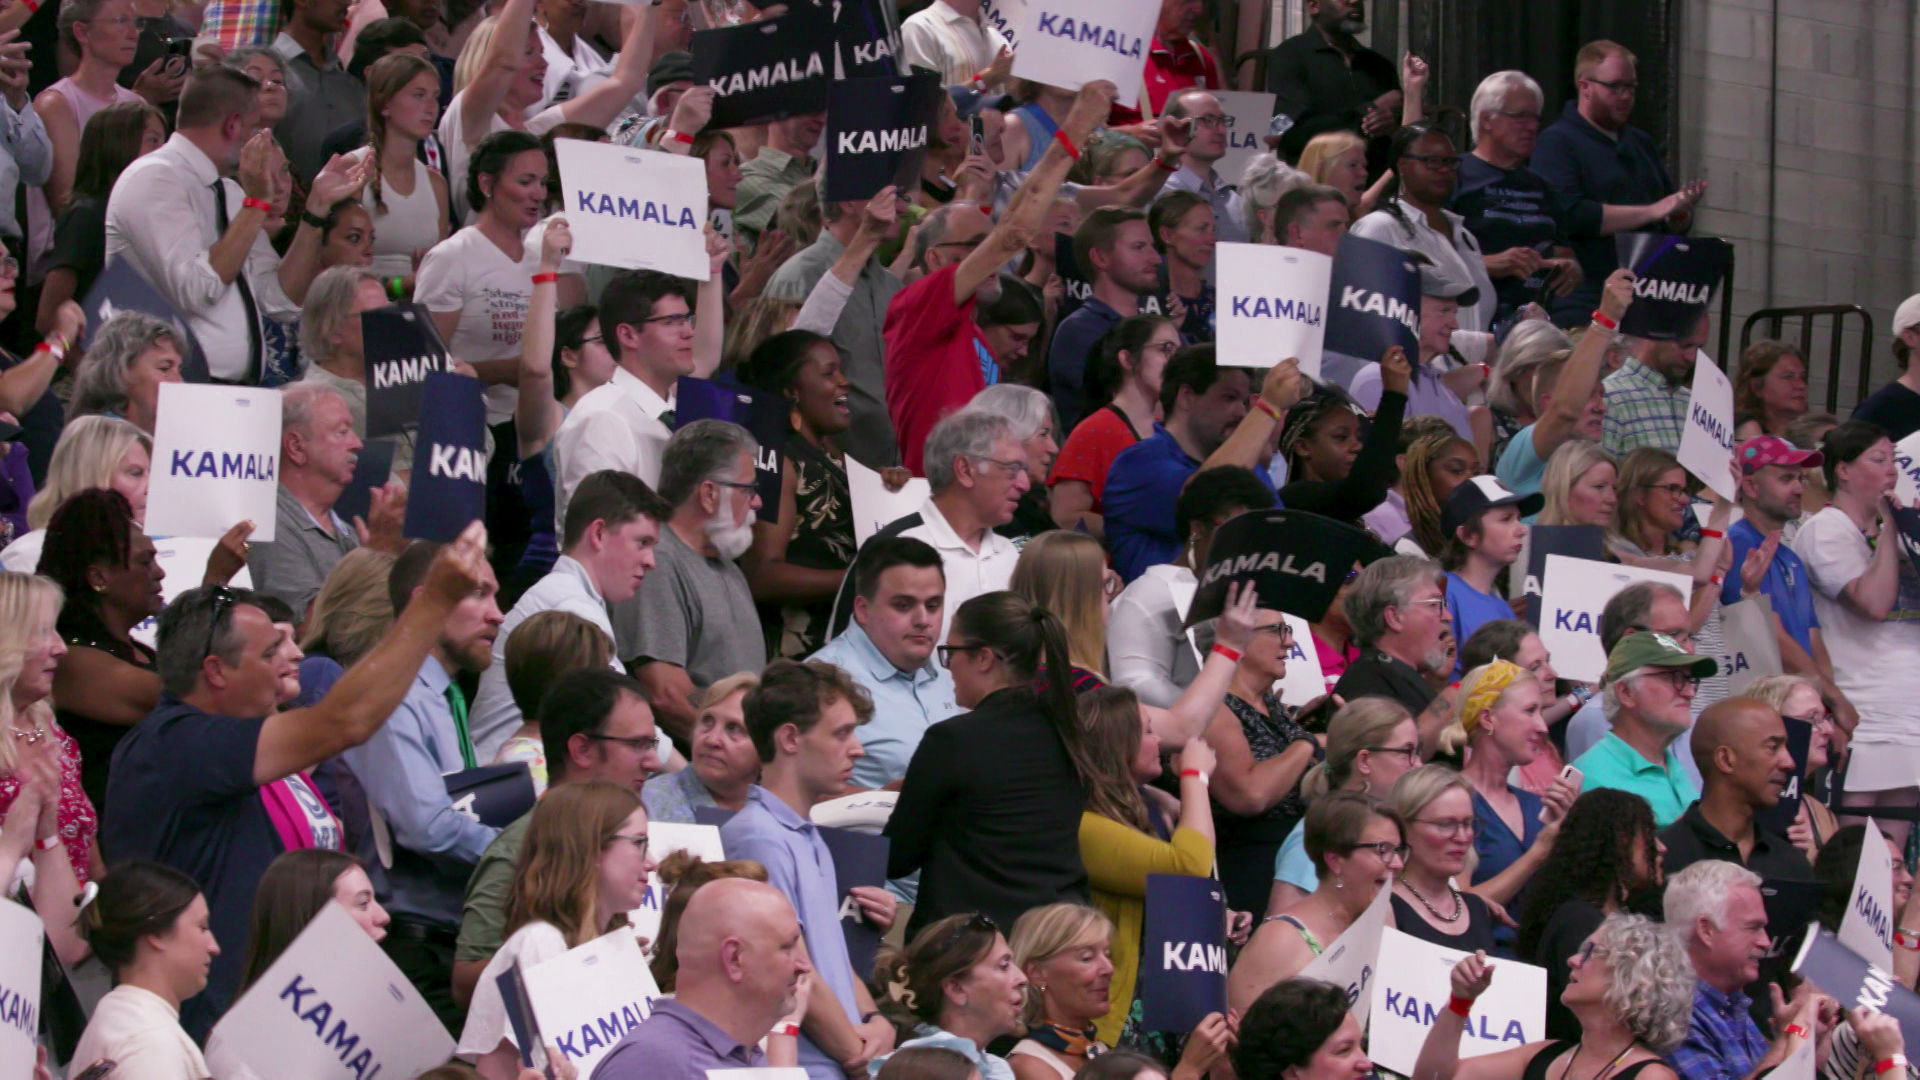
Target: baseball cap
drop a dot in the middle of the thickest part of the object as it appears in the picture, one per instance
(1763, 450)
(672, 67)
(1650, 648)
(1907, 315)
(1484, 493)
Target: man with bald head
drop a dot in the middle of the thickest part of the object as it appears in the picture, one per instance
(740, 961)
(1740, 745)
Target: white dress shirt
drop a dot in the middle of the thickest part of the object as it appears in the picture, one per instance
(943, 40)
(141, 1033)
(1458, 262)
(615, 426)
(567, 587)
(569, 74)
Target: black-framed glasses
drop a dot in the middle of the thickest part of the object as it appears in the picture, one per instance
(1285, 631)
(1618, 86)
(639, 744)
(1219, 121)
(1678, 491)
(1591, 949)
(734, 484)
(968, 244)
(1443, 162)
(1386, 849)
(945, 652)
(597, 339)
(673, 322)
(1678, 678)
(1412, 752)
(637, 841)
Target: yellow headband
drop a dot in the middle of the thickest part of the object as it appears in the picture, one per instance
(1477, 696)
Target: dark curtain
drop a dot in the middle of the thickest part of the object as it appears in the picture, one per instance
(1463, 41)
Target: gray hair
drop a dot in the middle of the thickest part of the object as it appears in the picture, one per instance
(969, 433)
(100, 386)
(1774, 690)
(196, 625)
(933, 228)
(1265, 180)
(1630, 608)
(237, 59)
(296, 405)
(1493, 90)
(701, 451)
(1701, 891)
(1387, 583)
(1652, 985)
(1610, 705)
(328, 300)
(1025, 409)
(1531, 343)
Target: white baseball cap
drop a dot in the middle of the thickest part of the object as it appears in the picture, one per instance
(1907, 315)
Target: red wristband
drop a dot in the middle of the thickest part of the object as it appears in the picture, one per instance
(262, 205)
(1797, 1029)
(1887, 1065)
(1175, 167)
(1061, 134)
(1191, 772)
(1605, 320)
(1713, 533)
(677, 136)
(1230, 653)
(542, 279)
(1266, 406)
(1459, 1006)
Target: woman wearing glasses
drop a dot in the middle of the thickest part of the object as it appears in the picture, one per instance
(1436, 806)
(1125, 371)
(954, 987)
(1413, 217)
(1356, 845)
(1631, 991)
(583, 867)
(1797, 698)
(1371, 743)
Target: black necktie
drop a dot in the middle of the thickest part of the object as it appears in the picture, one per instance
(252, 377)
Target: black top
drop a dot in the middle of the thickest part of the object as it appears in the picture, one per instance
(96, 738)
(1510, 208)
(1317, 87)
(1893, 407)
(1478, 934)
(80, 243)
(1542, 1061)
(1369, 477)
(989, 813)
(1693, 839)
(1569, 925)
(1376, 674)
(1589, 166)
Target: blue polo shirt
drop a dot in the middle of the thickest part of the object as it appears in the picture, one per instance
(1613, 764)
(1786, 585)
(1588, 169)
(905, 704)
(1142, 486)
(1073, 342)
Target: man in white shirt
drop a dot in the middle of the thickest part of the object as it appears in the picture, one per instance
(612, 526)
(951, 37)
(573, 64)
(208, 257)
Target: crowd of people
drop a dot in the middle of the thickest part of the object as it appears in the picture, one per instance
(1005, 672)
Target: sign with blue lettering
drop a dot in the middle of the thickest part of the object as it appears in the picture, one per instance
(1777, 819)
(1840, 973)
(1006, 16)
(121, 287)
(402, 348)
(1303, 680)
(1675, 280)
(216, 461)
(1374, 300)
(663, 839)
(636, 209)
(496, 795)
(877, 134)
(1069, 43)
(22, 936)
(1867, 927)
(588, 998)
(332, 1007)
(1571, 598)
(1183, 954)
(1573, 541)
(1906, 459)
(765, 70)
(866, 38)
(1410, 992)
(1296, 560)
(1706, 441)
(858, 859)
(1248, 113)
(764, 415)
(448, 488)
(1354, 956)
(1271, 305)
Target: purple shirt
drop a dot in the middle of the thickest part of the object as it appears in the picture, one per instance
(1426, 396)
(676, 1043)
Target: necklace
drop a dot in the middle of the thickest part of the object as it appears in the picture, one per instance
(1605, 1071)
(1459, 905)
(31, 738)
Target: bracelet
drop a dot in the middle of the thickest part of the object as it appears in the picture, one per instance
(1798, 1029)
(1459, 1006)
(790, 1030)
(1714, 534)
(49, 842)
(308, 217)
(1266, 406)
(1170, 166)
(545, 279)
(1897, 1061)
(676, 136)
(1184, 773)
(1061, 135)
(54, 348)
(1605, 321)
(1906, 939)
(1228, 652)
(251, 203)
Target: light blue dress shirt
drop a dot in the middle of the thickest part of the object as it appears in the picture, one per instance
(905, 704)
(26, 156)
(401, 768)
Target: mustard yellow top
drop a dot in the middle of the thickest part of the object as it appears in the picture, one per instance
(1118, 858)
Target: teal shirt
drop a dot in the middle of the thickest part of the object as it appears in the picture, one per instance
(1613, 764)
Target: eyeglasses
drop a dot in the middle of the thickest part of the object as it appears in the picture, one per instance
(1453, 826)
(736, 485)
(1014, 468)
(1412, 752)
(1209, 121)
(10, 266)
(1679, 678)
(1678, 491)
(1163, 348)
(1618, 86)
(596, 339)
(1436, 601)
(1819, 719)
(945, 652)
(673, 322)
(1592, 949)
(968, 244)
(639, 842)
(1285, 631)
(1443, 162)
(639, 744)
(1386, 849)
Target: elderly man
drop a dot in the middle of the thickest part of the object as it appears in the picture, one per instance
(336, 355)
(1639, 608)
(740, 958)
(1716, 909)
(1647, 398)
(1520, 220)
(318, 450)
(1205, 149)
(1398, 609)
(1649, 686)
(977, 473)
(692, 622)
(1741, 748)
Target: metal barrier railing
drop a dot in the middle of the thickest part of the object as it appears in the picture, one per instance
(1808, 315)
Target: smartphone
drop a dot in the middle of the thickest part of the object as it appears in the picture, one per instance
(97, 1071)
(179, 49)
(979, 134)
(1572, 774)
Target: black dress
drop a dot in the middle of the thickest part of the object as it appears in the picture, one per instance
(1247, 846)
(1478, 935)
(1542, 1061)
(822, 540)
(1570, 924)
(96, 738)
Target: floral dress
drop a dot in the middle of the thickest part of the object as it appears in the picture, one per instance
(79, 824)
(1248, 845)
(822, 540)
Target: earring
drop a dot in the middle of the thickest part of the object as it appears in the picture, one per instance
(1338, 884)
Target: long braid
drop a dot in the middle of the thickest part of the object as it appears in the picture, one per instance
(386, 78)
(1416, 486)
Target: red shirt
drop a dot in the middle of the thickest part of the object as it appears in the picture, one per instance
(1090, 450)
(936, 360)
(1171, 68)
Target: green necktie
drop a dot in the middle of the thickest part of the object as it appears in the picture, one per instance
(458, 703)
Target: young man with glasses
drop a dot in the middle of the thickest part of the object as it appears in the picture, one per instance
(1206, 146)
(1741, 745)
(1649, 686)
(1603, 167)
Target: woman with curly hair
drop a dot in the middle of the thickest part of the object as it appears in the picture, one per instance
(1631, 990)
(1301, 1029)
(1606, 860)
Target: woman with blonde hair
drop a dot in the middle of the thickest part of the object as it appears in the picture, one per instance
(1371, 743)
(539, 651)
(350, 615)
(1066, 573)
(37, 752)
(1338, 159)
(583, 867)
(1066, 951)
(93, 452)
(1796, 697)
(407, 198)
(1579, 486)
(1436, 806)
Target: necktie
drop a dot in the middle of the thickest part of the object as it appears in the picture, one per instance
(458, 703)
(252, 377)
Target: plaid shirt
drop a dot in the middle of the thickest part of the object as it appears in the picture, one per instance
(1642, 410)
(234, 23)
(1723, 1042)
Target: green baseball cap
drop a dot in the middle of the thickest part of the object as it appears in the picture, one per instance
(1647, 648)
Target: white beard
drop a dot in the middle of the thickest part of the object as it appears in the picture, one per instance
(731, 541)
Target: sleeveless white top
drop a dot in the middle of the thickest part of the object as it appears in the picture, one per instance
(411, 223)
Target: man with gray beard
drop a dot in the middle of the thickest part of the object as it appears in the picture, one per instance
(1398, 608)
(692, 623)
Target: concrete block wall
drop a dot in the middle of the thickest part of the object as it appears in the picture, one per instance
(1842, 167)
